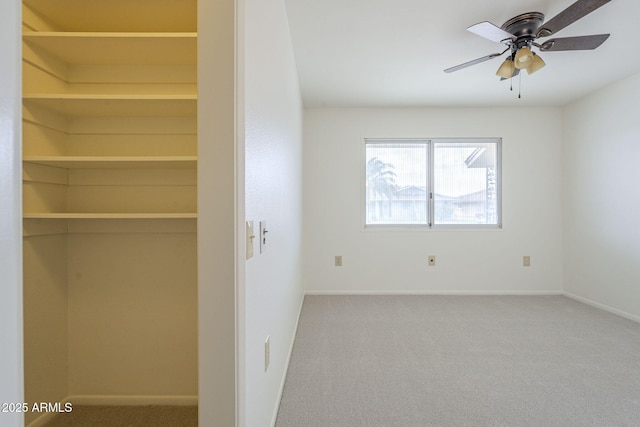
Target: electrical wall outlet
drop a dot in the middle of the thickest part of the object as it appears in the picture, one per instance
(432, 260)
(526, 261)
(267, 352)
(338, 261)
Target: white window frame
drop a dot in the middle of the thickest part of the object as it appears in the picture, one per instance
(430, 142)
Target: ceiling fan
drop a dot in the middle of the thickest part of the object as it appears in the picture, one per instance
(521, 33)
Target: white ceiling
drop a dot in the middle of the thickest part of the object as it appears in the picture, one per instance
(375, 53)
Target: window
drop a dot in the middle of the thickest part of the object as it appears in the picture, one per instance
(436, 182)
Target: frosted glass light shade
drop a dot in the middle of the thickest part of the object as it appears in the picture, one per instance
(524, 58)
(506, 69)
(537, 64)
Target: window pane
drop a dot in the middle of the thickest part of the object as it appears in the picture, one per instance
(396, 180)
(465, 183)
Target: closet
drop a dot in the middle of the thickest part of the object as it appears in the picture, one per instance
(109, 202)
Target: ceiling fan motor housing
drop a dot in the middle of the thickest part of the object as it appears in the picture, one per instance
(524, 25)
(524, 28)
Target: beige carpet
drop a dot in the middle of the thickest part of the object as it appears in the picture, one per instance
(127, 416)
(446, 361)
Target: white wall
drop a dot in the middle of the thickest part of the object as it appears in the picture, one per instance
(273, 185)
(601, 203)
(475, 261)
(11, 365)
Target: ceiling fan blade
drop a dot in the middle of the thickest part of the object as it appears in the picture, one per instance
(474, 62)
(491, 32)
(568, 16)
(574, 43)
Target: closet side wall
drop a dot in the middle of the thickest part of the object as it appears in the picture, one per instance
(45, 312)
(45, 319)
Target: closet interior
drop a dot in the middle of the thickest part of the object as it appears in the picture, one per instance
(109, 202)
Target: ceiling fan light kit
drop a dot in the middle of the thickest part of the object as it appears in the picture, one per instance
(524, 58)
(506, 69)
(520, 33)
(536, 65)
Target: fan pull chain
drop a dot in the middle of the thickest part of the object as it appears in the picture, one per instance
(519, 85)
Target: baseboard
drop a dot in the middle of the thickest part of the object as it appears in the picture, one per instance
(43, 419)
(438, 292)
(604, 307)
(274, 417)
(133, 400)
(106, 400)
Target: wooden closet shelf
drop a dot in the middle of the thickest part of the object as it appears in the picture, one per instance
(109, 34)
(108, 97)
(86, 48)
(116, 105)
(109, 15)
(69, 215)
(116, 162)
